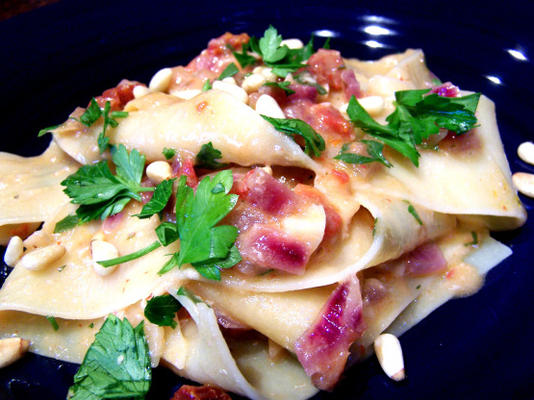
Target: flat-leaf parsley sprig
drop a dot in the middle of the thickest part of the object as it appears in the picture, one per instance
(204, 244)
(417, 116)
(99, 192)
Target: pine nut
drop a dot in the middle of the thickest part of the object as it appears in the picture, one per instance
(158, 171)
(525, 151)
(12, 349)
(102, 250)
(292, 43)
(389, 353)
(266, 105)
(234, 90)
(253, 82)
(229, 80)
(266, 72)
(161, 80)
(39, 259)
(524, 182)
(14, 251)
(140, 91)
(186, 94)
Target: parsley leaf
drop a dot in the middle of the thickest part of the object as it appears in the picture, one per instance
(116, 365)
(161, 310)
(314, 143)
(373, 148)
(474, 242)
(102, 194)
(212, 269)
(196, 217)
(168, 153)
(270, 48)
(207, 157)
(91, 114)
(159, 200)
(53, 322)
(417, 116)
(412, 210)
(206, 86)
(244, 59)
(69, 222)
(321, 90)
(326, 44)
(109, 120)
(281, 59)
(229, 71)
(282, 85)
(44, 131)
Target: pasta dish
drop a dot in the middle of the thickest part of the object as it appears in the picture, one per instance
(257, 220)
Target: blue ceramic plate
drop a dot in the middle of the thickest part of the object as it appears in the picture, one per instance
(57, 57)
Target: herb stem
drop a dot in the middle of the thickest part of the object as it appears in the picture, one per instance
(129, 257)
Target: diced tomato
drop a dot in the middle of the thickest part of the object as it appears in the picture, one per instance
(185, 167)
(446, 89)
(206, 392)
(327, 66)
(119, 95)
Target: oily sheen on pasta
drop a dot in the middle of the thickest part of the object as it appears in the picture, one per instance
(270, 211)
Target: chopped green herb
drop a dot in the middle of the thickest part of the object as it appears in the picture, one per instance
(412, 210)
(373, 148)
(321, 90)
(44, 131)
(267, 272)
(326, 44)
(161, 310)
(67, 223)
(159, 200)
(206, 86)
(207, 157)
(109, 120)
(244, 59)
(53, 322)
(182, 291)
(282, 85)
(206, 246)
(314, 143)
(132, 256)
(374, 226)
(229, 71)
(60, 269)
(91, 325)
(418, 287)
(168, 153)
(102, 194)
(281, 59)
(91, 114)
(116, 365)
(417, 116)
(474, 242)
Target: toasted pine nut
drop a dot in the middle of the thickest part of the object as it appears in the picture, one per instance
(266, 72)
(234, 90)
(186, 94)
(161, 80)
(14, 251)
(253, 82)
(292, 43)
(230, 80)
(389, 353)
(268, 169)
(11, 349)
(524, 182)
(158, 171)
(140, 91)
(266, 105)
(102, 250)
(525, 151)
(374, 105)
(40, 258)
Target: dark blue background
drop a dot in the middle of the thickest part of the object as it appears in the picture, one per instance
(56, 58)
